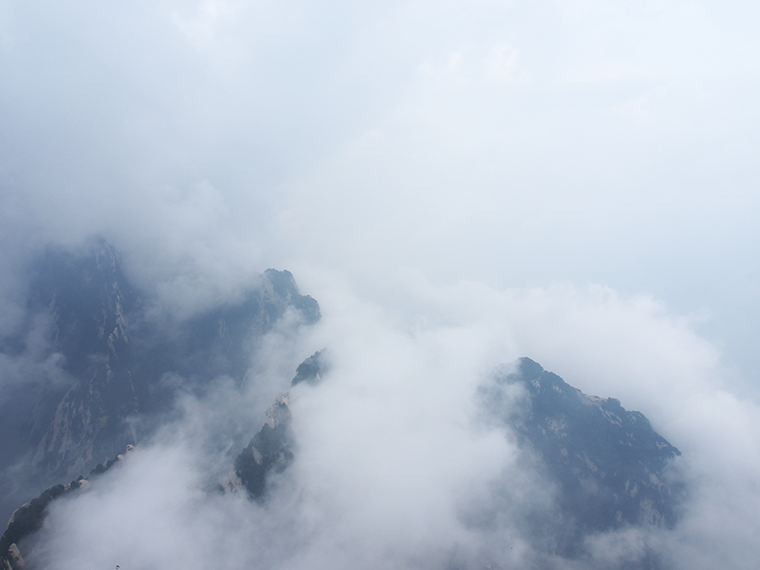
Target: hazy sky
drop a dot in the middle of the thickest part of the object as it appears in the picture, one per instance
(520, 144)
(455, 182)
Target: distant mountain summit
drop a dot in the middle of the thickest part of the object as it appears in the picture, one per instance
(608, 467)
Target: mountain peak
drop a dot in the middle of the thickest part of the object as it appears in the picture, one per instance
(610, 466)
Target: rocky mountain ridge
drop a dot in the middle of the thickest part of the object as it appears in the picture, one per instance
(612, 468)
(609, 467)
(602, 467)
(29, 517)
(605, 467)
(111, 359)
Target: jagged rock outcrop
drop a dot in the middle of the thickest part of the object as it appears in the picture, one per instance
(311, 369)
(271, 450)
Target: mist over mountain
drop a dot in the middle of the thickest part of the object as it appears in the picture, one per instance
(114, 367)
(595, 467)
(460, 186)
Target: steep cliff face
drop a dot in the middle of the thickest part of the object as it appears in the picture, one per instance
(112, 356)
(90, 303)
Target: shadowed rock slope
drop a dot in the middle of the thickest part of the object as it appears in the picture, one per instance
(608, 467)
(117, 360)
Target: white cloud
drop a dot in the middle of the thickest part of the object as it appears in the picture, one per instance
(393, 467)
(446, 179)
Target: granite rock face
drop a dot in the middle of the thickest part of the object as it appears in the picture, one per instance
(89, 303)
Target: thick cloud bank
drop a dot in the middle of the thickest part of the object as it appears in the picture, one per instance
(396, 467)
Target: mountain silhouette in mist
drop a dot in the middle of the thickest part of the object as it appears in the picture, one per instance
(604, 467)
(113, 359)
(609, 463)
